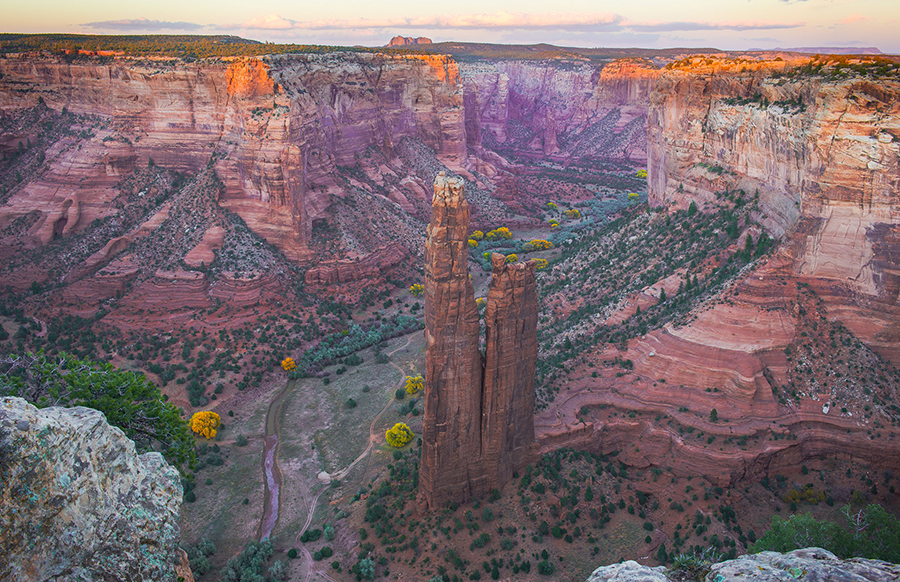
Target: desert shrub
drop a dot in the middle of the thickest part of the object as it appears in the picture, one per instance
(414, 383)
(205, 423)
(288, 364)
(399, 435)
(417, 289)
(870, 532)
(501, 233)
(249, 564)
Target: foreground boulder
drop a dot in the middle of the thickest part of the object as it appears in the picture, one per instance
(79, 503)
(803, 564)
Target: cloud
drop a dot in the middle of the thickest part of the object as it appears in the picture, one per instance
(854, 18)
(142, 24)
(692, 26)
(495, 21)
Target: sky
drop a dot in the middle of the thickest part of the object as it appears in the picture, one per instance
(724, 24)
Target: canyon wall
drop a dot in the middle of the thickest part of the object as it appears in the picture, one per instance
(823, 155)
(562, 111)
(274, 128)
(478, 425)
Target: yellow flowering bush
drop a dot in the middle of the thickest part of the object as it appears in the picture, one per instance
(477, 235)
(417, 289)
(512, 258)
(486, 255)
(641, 174)
(633, 196)
(573, 213)
(554, 224)
(480, 302)
(414, 383)
(399, 435)
(537, 245)
(501, 233)
(288, 364)
(551, 205)
(473, 244)
(205, 423)
(541, 264)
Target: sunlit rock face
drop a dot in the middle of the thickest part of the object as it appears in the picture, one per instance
(823, 156)
(79, 503)
(273, 128)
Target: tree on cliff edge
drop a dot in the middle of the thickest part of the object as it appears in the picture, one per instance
(127, 399)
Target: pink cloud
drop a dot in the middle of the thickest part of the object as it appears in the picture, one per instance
(854, 18)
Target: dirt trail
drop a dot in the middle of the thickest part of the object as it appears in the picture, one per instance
(373, 437)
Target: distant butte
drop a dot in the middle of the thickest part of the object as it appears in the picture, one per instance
(408, 40)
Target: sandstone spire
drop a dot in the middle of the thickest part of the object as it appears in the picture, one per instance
(478, 425)
(451, 466)
(510, 359)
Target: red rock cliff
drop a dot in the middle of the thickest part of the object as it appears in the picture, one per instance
(822, 152)
(274, 128)
(478, 425)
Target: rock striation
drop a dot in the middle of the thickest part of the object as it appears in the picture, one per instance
(822, 154)
(344, 271)
(806, 564)
(79, 503)
(509, 366)
(478, 422)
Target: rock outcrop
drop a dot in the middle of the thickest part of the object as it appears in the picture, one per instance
(275, 129)
(478, 425)
(79, 502)
(345, 271)
(409, 40)
(509, 366)
(452, 466)
(805, 564)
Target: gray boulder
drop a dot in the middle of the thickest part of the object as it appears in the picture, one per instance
(79, 503)
(806, 565)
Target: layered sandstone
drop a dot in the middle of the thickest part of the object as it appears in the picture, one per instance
(369, 266)
(79, 502)
(509, 367)
(478, 425)
(823, 154)
(452, 467)
(560, 111)
(275, 129)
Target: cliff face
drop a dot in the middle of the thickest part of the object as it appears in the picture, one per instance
(823, 156)
(274, 129)
(478, 424)
(562, 111)
(79, 503)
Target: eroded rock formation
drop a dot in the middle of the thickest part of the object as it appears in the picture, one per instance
(822, 155)
(79, 502)
(510, 359)
(468, 444)
(809, 563)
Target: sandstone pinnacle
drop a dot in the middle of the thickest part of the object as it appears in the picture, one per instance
(478, 425)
